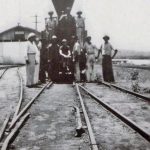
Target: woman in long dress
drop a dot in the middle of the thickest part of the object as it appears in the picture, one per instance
(31, 61)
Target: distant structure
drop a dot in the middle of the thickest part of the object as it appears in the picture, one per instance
(17, 33)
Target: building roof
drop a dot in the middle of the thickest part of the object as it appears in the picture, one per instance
(20, 28)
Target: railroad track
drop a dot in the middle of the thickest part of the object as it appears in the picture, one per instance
(103, 111)
(126, 90)
(3, 72)
(3, 69)
(131, 104)
(12, 126)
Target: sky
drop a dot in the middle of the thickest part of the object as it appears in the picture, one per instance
(127, 22)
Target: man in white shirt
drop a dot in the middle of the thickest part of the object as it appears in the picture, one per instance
(80, 27)
(90, 52)
(106, 51)
(76, 58)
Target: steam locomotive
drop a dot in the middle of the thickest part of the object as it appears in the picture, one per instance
(65, 30)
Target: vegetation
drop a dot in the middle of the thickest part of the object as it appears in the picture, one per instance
(134, 79)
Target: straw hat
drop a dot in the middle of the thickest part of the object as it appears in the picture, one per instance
(51, 12)
(64, 40)
(106, 37)
(54, 37)
(31, 35)
(88, 38)
(79, 12)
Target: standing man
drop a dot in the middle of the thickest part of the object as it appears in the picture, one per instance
(80, 27)
(106, 51)
(37, 66)
(76, 59)
(43, 57)
(53, 59)
(31, 60)
(90, 52)
(70, 25)
(82, 65)
(66, 26)
(51, 24)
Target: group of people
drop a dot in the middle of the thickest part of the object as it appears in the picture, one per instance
(86, 58)
(82, 58)
(63, 49)
(65, 26)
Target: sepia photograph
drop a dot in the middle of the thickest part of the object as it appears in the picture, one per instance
(74, 75)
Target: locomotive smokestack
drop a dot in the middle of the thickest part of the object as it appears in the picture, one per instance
(61, 5)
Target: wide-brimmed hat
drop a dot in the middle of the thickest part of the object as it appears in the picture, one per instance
(54, 37)
(88, 37)
(106, 37)
(31, 35)
(79, 12)
(64, 40)
(50, 12)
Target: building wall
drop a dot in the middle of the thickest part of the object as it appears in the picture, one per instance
(10, 35)
(13, 52)
(7, 36)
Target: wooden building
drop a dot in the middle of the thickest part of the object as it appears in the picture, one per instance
(18, 33)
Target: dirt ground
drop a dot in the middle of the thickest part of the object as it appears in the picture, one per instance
(123, 77)
(110, 132)
(52, 123)
(9, 93)
(132, 107)
(141, 84)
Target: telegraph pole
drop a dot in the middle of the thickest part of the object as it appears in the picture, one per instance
(36, 22)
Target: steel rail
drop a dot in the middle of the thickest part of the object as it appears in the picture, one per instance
(3, 73)
(126, 91)
(20, 95)
(91, 134)
(4, 126)
(28, 105)
(6, 68)
(6, 122)
(126, 120)
(13, 133)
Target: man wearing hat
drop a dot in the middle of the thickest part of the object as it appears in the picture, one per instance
(89, 48)
(65, 54)
(32, 60)
(106, 51)
(51, 24)
(67, 26)
(70, 25)
(80, 27)
(53, 59)
(43, 57)
(76, 57)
